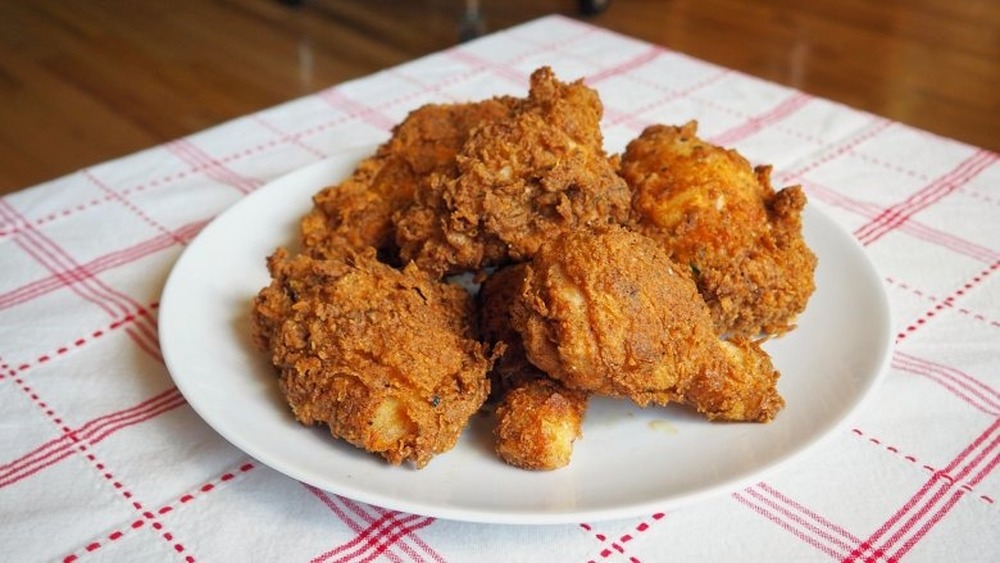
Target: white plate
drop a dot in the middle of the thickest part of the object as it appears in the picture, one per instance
(629, 462)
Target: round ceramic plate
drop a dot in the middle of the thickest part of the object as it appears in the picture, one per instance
(629, 462)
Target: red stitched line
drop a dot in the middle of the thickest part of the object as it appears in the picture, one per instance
(822, 143)
(139, 523)
(786, 108)
(639, 528)
(912, 460)
(82, 341)
(850, 144)
(293, 139)
(91, 433)
(631, 117)
(338, 99)
(949, 302)
(202, 162)
(979, 195)
(82, 447)
(89, 175)
(937, 487)
(58, 261)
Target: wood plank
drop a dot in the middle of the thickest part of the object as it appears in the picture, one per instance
(83, 82)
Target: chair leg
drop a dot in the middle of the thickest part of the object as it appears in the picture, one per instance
(591, 7)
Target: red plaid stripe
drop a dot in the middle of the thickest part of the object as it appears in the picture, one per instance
(37, 288)
(216, 169)
(82, 282)
(787, 107)
(976, 393)
(797, 519)
(356, 110)
(911, 227)
(379, 532)
(942, 186)
(908, 525)
(90, 433)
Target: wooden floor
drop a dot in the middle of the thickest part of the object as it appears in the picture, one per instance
(85, 81)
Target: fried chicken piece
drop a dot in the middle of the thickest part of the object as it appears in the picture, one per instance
(495, 296)
(537, 422)
(386, 358)
(607, 312)
(720, 217)
(530, 176)
(357, 213)
(537, 418)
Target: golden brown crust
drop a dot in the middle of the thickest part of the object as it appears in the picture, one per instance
(395, 361)
(607, 312)
(357, 213)
(386, 358)
(537, 422)
(495, 296)
(536, 173)
(721, 217)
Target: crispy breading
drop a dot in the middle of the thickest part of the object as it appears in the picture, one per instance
(607, 312)
(537, 422)
(720, 217)
(495, 296)
(530, 176)
(387, 358)
(357, 213)
(537, 418)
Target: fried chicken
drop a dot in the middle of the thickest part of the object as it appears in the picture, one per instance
(537, 422)
(537, 418)
(607, 312)
(720, 217)
(386, 358)
(496, 293)
(530, 176)
(357, 213)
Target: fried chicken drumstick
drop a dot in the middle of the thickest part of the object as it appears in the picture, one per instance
(607, 312)
(720, 217)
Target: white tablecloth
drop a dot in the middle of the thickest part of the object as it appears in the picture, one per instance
(101, 458)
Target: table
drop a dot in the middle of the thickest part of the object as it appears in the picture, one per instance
(101, 458)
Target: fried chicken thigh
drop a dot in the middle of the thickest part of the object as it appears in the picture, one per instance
(525, 178)
(357, 213)
(386, 358)
(607, 312)
(721, 218)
